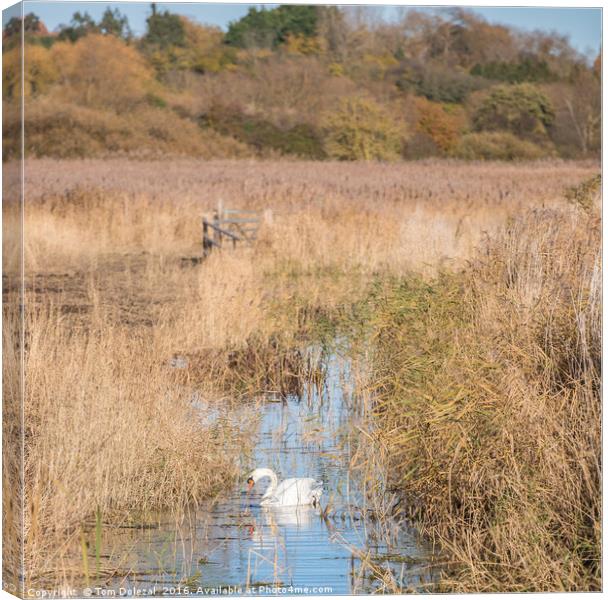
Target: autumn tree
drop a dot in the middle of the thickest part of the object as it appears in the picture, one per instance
(276, 77)
(332, 28)
(456, 38)
(578, 113)
(553, 49)
(39, 71)
(473, 40)
(442, 123)
(102, 71)
(361, 129)
(303, 45)
(204, 50)
(521, 109)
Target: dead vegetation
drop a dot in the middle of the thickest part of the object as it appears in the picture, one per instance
(488, 395)
(110, 425)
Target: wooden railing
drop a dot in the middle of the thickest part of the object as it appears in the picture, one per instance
(230, 226)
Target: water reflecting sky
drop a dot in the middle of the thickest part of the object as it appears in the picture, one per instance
(238, 543)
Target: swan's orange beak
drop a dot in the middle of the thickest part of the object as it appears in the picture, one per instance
(250, 484)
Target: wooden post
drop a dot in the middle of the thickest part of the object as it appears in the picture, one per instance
(217, 235)
(220, 219)
(206, 240)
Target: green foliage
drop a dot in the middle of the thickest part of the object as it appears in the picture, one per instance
(80, 25)
(34, 32)
(362, 130)
(31, 24)
(269, 28)
(201, 50)
(12, 27)
(497, 145)
(302, 140)
(522, 109)
(46, 41)
(527, 69)
(165, 29)
(114, 23)
(438, 83)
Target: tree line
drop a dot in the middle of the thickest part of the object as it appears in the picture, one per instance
(310, 81)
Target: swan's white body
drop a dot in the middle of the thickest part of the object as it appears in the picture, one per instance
(291, 492)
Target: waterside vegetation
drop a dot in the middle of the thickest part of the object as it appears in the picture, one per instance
(473, 297)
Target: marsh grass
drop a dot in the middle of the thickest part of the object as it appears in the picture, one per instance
(110, 426)
(488, 398)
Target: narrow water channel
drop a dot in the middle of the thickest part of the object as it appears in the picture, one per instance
(236, 546)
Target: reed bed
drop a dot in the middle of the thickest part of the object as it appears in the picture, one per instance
(488, 398)
(301, 184)
(109, 305)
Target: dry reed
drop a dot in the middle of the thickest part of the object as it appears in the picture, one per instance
(108, 304)
(489, 401)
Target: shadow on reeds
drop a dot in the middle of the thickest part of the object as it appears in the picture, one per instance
(261, 367)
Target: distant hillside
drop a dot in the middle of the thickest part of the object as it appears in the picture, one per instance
(309, 81)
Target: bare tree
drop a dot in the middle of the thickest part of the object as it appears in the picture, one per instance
(578, 112)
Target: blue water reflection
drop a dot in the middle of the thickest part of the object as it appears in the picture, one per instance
(238, 546)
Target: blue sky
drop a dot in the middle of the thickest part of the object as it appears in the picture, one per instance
(581, 25)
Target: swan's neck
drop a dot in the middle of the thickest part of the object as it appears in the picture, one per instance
(274, 482)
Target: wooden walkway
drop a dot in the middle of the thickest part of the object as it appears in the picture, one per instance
(230, 227)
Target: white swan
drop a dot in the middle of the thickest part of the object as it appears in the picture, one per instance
(291, 492)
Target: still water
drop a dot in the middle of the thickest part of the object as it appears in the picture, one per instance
(236, 546)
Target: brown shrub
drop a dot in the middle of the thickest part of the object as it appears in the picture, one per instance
(59, 129)
(102, 71)
(497, 145)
